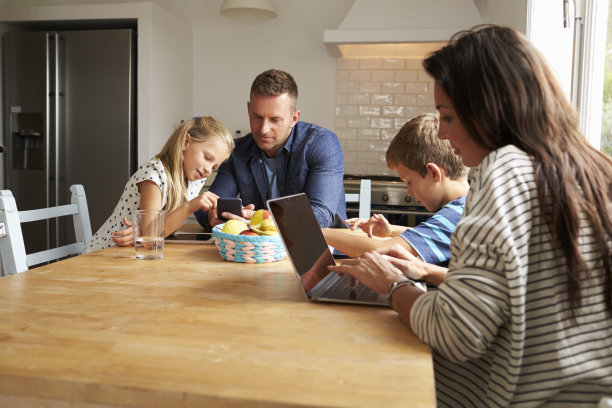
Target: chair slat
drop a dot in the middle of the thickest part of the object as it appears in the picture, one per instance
(46, 213)
(54, 253)
(364, 198)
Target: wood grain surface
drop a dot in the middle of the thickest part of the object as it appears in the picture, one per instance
(192, 330)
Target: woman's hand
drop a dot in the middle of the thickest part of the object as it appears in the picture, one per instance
(376, 225)
(124, 237)
(413, 267)
(403, 260)
(373, 269)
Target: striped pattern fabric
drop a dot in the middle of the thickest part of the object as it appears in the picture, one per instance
(500, 326)
(431, 238)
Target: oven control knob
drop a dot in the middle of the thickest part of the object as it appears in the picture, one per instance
(407, 199)
(385, 197)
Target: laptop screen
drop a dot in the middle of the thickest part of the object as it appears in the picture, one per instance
(303, 238)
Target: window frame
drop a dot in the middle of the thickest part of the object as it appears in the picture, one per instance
(588, 21)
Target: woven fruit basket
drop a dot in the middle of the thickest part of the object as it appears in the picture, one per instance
(248, 248)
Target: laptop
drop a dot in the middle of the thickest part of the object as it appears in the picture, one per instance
(310, 255)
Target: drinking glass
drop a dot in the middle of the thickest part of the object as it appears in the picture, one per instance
(149, 232)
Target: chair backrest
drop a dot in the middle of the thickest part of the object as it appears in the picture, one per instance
(12, 247)
(364, 198)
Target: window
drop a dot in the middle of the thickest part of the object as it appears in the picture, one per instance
(554, 26)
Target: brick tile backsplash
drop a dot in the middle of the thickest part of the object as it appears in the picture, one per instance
(374, 98)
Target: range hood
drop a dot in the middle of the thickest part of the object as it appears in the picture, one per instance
(401, 28)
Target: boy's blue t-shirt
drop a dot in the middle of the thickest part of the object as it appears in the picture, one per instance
(431, 238)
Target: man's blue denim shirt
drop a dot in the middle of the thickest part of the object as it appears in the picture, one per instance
(313, 162)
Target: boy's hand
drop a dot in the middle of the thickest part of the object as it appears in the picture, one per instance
(376, 225)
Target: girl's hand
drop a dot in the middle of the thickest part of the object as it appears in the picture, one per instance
(124, 237)
(376, 225)
(205, 201)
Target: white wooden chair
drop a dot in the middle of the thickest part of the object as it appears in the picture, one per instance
(364, 198)
(12, 248)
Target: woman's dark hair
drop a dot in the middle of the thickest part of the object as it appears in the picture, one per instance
(504, 93)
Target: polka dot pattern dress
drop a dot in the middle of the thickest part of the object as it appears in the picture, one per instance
(154, 171)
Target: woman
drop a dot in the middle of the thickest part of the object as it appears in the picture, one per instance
(524, 317)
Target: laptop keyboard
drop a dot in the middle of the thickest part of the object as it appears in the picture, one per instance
(341, 289)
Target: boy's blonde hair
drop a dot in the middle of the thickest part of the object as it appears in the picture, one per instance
(417, 144)
(200, 129)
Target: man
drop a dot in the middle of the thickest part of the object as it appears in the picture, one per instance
(281, 156)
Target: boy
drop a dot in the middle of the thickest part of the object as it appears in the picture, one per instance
(435, 177)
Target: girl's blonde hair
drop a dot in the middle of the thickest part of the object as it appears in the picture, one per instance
(200, 129)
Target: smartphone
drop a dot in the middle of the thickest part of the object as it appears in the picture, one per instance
(229, 204)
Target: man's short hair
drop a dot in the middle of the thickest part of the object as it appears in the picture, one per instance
(417, 144)
(274, 82)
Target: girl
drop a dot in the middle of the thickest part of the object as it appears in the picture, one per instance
(171, 181)
(524, 316)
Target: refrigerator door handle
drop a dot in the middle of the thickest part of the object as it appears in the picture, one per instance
(57, 137)
(47, 129)
(47, 115)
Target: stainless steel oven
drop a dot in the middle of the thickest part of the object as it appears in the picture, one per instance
(390, 198)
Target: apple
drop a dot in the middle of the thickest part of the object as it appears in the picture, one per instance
(234, 227)
(249, 232)
(259, 216)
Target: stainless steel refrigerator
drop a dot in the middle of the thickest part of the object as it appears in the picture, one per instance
(69, 118)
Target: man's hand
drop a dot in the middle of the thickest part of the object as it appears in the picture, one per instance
(247, 213)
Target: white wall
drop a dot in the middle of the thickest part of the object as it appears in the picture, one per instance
(170, 82)
(228, 55)
(511, 13)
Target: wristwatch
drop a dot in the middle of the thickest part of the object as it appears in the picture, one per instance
(396, 285)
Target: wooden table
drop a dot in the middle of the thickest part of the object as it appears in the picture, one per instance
(192, 330)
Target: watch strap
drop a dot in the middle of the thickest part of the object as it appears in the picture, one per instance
(396, 285)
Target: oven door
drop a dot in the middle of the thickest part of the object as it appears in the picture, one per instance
(389, 198)
(397, 215)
